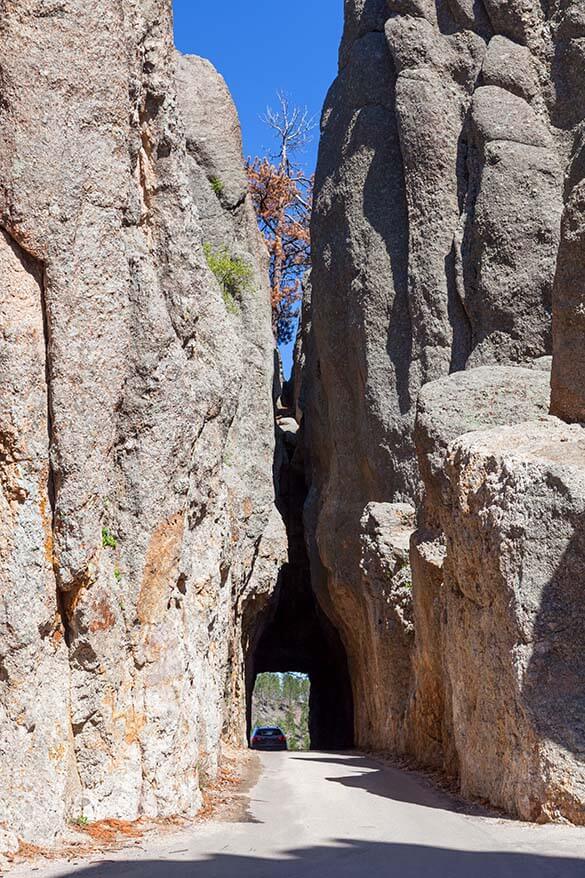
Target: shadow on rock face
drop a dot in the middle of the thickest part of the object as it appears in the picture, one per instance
(346, 858)
(554, 689)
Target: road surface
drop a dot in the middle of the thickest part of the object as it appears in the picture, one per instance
(330, 815)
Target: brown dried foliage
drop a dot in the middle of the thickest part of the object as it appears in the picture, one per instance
(282, 197)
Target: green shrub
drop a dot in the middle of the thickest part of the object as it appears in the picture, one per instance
(81, 820)
(109, 541)
(117, 574)
(232, 273)
(217, 186)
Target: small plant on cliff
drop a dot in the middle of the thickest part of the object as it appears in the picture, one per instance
(109, 541)
(217, 186)
(117, 574)
(282, 194)
(82, 820)
(232, 273)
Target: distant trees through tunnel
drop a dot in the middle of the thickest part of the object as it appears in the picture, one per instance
(283, 700)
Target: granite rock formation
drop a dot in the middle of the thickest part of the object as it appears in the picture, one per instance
(431, 552)
(451, 144)
(138, 525)
(498, 610)
(568, 385)
(513, 577)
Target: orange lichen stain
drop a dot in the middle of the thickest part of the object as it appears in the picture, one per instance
(134, 723)
(71, 598)
(46, 517)
(152, 645)
(57, 752)
(48, 530)
(247, 507)
(161, 568)
(109, 701)
(103, 617)
(111, 830)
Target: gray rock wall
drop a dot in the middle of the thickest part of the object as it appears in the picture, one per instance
(513, 635)
(138, 523)
(568, 377)
(439, 193)
(497, 674)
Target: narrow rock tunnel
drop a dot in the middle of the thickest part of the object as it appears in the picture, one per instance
(300, 638)
(294, 634)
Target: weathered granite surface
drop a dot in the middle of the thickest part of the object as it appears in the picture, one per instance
(449, 408)
(438, 200)
(568, 378)
(137, 430)
(513, 577)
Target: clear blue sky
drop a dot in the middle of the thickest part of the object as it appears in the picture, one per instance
(261, 46)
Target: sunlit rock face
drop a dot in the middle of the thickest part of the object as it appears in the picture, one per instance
(138, 523)
(513, 577)
(440, 189)
(497, 687)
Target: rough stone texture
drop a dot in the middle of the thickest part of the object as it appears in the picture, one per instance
(513, 577)
(36, 742)
(137, 430)
(376, 625)
(510, 66)
(381, 668)
(438, 202)
(568, 378)
(475, 399)
(228, 219)
(509, 246)
(466, 401)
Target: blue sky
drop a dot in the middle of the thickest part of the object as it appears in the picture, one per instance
(261, 46)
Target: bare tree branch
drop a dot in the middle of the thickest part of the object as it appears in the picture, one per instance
(292, 125)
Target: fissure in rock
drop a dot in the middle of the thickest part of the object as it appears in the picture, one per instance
(293, 633)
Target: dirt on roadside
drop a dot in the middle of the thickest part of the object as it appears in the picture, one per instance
(226, 799)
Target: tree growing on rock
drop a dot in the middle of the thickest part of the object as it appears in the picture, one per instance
(282, 194)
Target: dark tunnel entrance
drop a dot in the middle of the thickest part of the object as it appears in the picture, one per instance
(300, 638)
(295, 634)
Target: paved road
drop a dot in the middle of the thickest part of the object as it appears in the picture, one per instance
(328, 815)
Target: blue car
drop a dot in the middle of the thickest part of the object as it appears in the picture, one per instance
(268, 738)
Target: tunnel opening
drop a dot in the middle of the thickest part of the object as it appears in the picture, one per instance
(295, 635)
(281, 700)
(299, 638)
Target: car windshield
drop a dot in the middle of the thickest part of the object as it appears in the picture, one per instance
(269, 732)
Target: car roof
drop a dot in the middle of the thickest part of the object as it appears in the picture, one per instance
(268, 729)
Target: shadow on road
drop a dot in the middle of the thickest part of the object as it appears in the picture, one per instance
(394, 783)
(350, 859)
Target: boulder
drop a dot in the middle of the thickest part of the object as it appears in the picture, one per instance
(513, 577)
